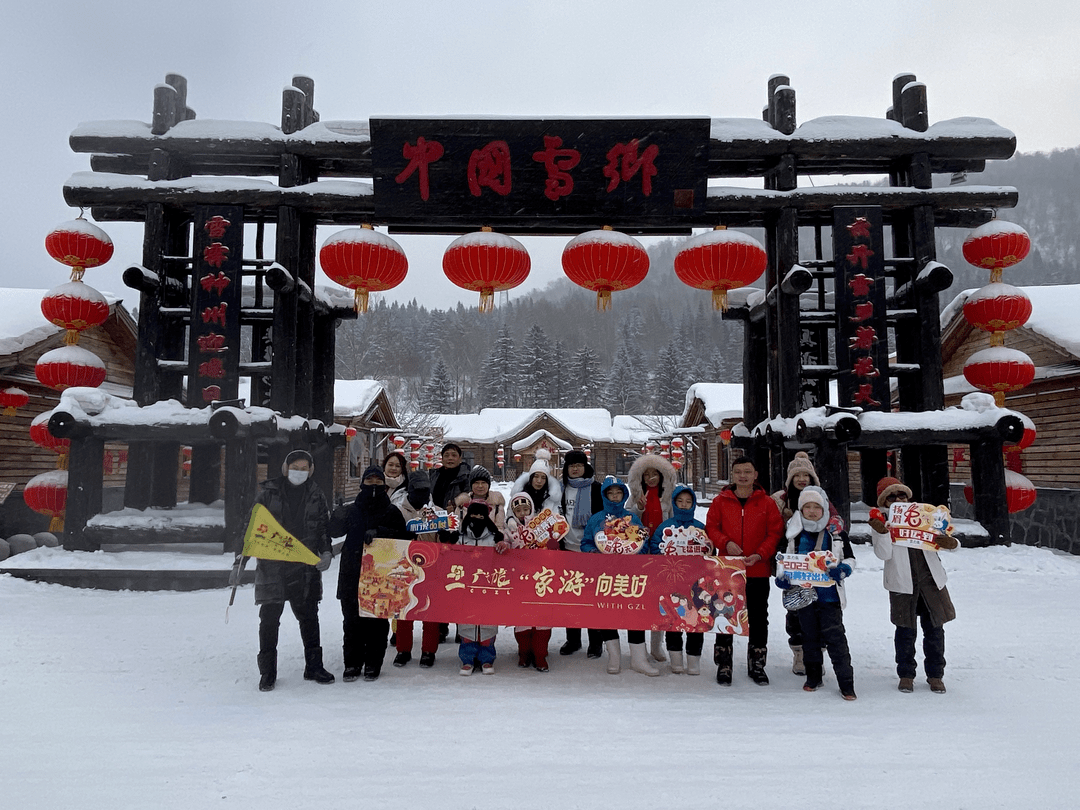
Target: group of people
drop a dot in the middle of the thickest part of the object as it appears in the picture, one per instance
(743, 520)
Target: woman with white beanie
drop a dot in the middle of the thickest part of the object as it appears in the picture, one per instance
(538, 484)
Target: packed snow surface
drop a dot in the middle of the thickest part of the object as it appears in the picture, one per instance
(115, 700)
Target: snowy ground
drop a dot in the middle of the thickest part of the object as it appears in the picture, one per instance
(149, 700)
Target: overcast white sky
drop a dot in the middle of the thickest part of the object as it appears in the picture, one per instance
(68, 62)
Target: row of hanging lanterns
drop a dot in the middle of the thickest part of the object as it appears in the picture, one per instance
(604, 261)
(998, 308)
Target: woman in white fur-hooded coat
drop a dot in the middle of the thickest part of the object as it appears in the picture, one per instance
(546, 494)
(641, 501)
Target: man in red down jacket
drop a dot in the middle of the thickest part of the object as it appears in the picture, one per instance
(743, 521)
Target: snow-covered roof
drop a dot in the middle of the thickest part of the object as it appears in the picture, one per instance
(720, 400)
(21, 323)
(1053, 313)
(536, 436)
(354, 397)
(593, 425)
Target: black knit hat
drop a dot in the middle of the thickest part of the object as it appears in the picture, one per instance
(373, 470)
(577, 457)
(479, 473)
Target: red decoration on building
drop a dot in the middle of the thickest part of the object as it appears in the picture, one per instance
(216, 284)
(557, 163)
(420, 156)
(79, 244)
(863, 312)
(860, 285)
(490, 168)
(40, 435)
(1019, 492)
(215, 314)
(605, 261)
(998, 370)
(864, 367)
(864, 338)
(74, 306)
(997, 308)
(623, 163)
(864, 395)
(365, 261)
(12, 398)
(486, 262)
(720, 260)
(70, 367)
(46, 494)
(859, 229)
(1028, 439)
(216, 226)
(860, 255)
(997, 245)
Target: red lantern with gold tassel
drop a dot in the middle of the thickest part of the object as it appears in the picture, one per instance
(720, 260)
(998, 370)
(486, 262)
(70, 367)
(74, 306)
(46, 494)
(997, 245)
(42, 437)
(605, 261)
(997, 308)
(363, 260)
(79, 244)
(12, 398)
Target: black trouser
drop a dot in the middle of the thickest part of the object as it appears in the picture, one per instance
(306, 613)
(933, 647)
(364, 639)
(757, 614)
(632, 636)
(694, 642)
(794, 631)
(822, 624)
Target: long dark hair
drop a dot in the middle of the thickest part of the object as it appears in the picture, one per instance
(401, 460)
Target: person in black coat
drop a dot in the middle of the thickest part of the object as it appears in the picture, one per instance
(300, 506)
(581, 499)
(371, 515)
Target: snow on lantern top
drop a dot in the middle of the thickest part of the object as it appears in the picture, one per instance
(79, 244)
(486, 262)
(605, 261)
(997, 245)
(720, 260)
(363, 260)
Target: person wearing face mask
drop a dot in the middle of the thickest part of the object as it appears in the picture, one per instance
(371, 515)
(300, 506)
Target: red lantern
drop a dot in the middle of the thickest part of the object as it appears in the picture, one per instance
(486, 262)
(42, 437)
(998, 370)
(1020, 492)
(46, 494)
(350, 433)
(997, 245)
(70, 367)
(517, 457)
(676, 452)
(79, 244)
(363, 260)
(399, 442)
(605, 261)
(676, 464)
(997, 308)
(720, 260)
(74, 306)
(414, 464)
(725, 436)
(12, 398)
(1027, 439)
(185, 465)
(678, 442)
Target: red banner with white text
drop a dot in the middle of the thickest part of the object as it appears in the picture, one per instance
(411, 579)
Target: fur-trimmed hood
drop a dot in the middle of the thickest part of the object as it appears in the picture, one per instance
(554, 494)
(668, 479)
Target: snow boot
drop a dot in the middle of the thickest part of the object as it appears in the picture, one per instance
(906, 685)
(797, 665)
(267, 670)
(573, 641)
(693, 665)
(813, 678)
(596, 645)
(402, 658)
(313, 669)
(639, 661)
(371, 673)
(676, 662)
(937, 686)
(755, 665)
(847, 692)
(656, 645)
(614, 656)
(722, 656)
(352, 674)
(427, 660)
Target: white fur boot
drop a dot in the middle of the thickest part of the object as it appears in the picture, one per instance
(614, 656)
(676, 661)
(656, 645)
(693, 665)
(639, 661)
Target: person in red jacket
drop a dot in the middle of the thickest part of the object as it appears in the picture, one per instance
(743, 521)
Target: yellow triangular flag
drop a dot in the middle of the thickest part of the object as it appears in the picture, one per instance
(266, 539)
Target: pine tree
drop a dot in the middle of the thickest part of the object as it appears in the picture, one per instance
(560, 391)
(499, 376)
(587, 379)
(669, 381)
(537, 372)
(438, 395)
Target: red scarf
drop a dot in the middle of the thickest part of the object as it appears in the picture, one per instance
(653, 514)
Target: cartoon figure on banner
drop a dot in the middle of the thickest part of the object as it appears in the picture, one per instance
(388, 578)
(620, 535)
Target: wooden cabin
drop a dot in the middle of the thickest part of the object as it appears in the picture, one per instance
(25, 335)
(364, 406)
(712, 410)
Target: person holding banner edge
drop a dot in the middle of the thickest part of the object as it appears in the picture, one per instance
(299, 505)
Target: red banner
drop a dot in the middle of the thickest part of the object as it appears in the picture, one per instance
(411, 579)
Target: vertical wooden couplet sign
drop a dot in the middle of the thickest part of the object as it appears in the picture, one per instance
(862, 340)
(214, 347)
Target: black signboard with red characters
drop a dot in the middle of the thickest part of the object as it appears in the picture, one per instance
(582, 173)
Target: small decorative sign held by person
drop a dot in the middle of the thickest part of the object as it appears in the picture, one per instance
(918, 525)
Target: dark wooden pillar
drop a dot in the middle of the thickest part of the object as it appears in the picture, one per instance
(85, 485)
(873, 466)
(988, 482)
(241, 462)
(832, 467)
(205, 481)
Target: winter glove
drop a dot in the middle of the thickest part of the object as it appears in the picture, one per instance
(369, 535)
(877, 521)
(502, 547)
(946, 542)
(234, 575)
(324, 561)
(783, 583)
(562, 545)
(840, 571)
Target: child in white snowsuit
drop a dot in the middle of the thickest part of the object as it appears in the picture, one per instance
(822, 620)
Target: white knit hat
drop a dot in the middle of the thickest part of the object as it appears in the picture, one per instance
(812, 494)
(541, 464)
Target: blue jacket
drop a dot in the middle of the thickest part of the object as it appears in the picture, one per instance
(679, 517)
(611, 510)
